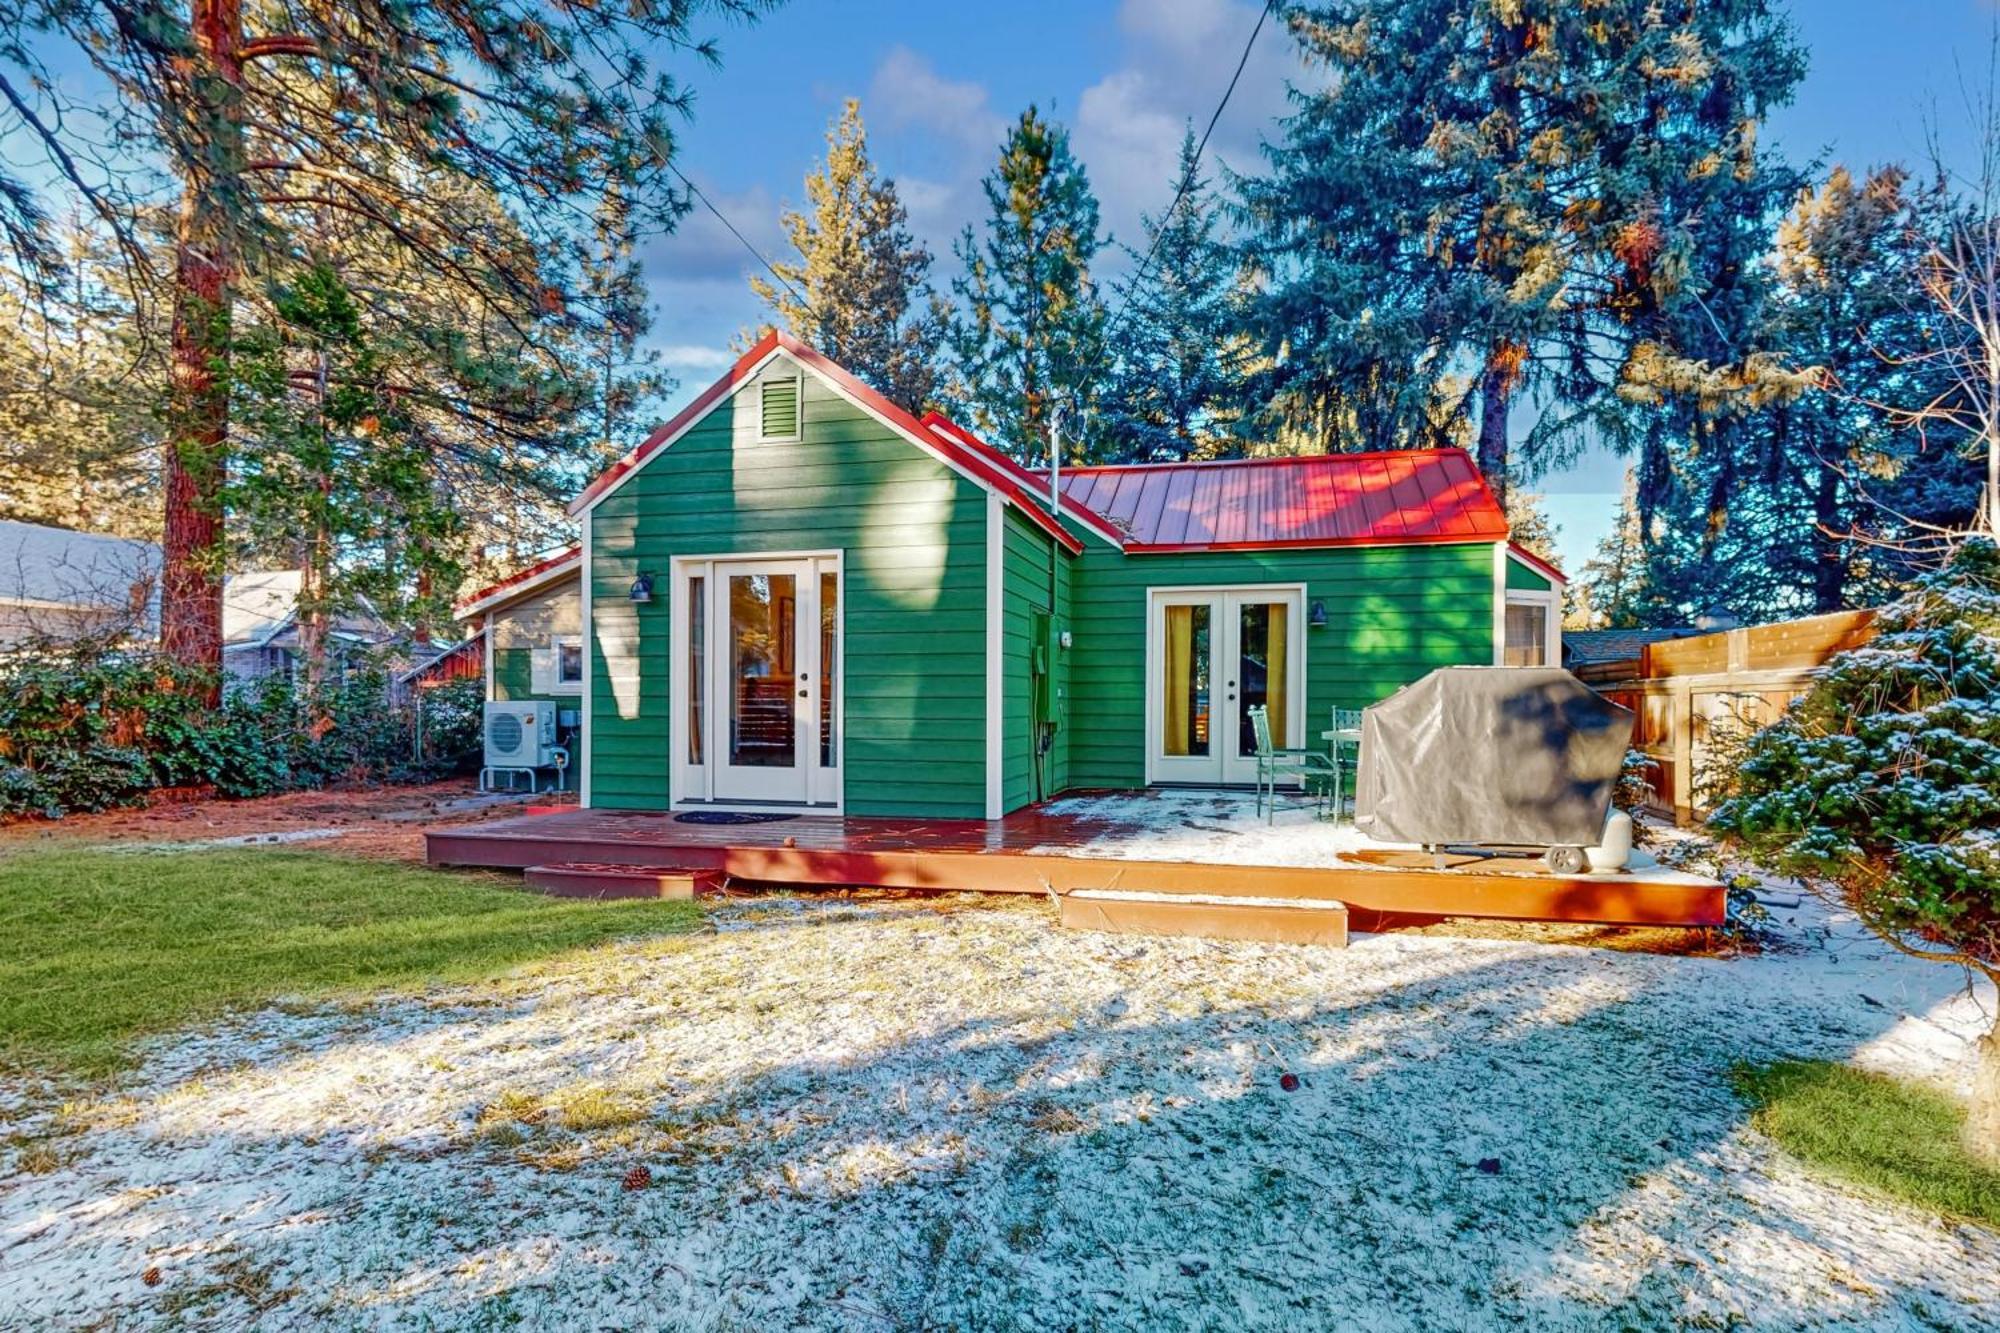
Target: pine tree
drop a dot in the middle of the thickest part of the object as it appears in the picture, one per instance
(1496, 200)
(1173, 394)
(1027, 337)
(370, 110)
(859, 291)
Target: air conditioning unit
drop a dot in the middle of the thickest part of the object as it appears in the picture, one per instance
(521, 735)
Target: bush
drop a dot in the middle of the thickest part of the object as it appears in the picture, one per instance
(89, 726)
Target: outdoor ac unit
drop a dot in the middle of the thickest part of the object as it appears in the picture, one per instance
(521, 735)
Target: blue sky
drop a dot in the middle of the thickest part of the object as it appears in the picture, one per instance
(938, 82)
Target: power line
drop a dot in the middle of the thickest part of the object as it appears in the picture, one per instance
(745, 241)
(1187, 177)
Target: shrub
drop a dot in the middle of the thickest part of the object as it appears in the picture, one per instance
(91, 726)
(1881, 785)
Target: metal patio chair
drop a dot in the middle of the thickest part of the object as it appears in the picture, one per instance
(1342, 736)
(1314, 770)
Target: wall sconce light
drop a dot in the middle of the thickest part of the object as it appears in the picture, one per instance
(1317, 616)
(642, 588)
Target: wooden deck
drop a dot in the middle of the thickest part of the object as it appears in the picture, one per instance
(1032, 851)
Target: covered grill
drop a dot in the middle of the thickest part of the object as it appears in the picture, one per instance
(1495, 756)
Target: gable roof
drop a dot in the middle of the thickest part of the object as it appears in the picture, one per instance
(260, 605)
(976, 465)
(1032, 483)
(1523, 556)
(538, 575)
(1391, 497)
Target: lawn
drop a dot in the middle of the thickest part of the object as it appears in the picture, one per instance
(98, 948)
(1897, 1137)
(882, 1112)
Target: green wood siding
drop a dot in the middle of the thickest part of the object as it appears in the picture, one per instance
(1028, 554)
(912, 536)
(1393, 614)
(1522, 579)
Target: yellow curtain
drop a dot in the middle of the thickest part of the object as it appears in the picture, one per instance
(1180, 683)
(1277, 657)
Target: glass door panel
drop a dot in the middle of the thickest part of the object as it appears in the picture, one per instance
(763, 683)
(1260, 657)
(1188, 716)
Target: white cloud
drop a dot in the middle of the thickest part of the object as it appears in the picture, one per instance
(701, 248)
(907, 90)
(696, 357)
(1179, 57)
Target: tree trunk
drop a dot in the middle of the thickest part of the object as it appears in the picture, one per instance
(1982, 1121)
(205, 264)
(1496, 393)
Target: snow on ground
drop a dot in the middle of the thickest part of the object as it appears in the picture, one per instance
(1224, 828)
(871, 1112)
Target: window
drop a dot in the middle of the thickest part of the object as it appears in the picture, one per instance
(569, 662)
(1527, 634)
(778, 409)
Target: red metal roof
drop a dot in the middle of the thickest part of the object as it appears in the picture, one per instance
(473, 601)
(1031, 483)
(1387, 498)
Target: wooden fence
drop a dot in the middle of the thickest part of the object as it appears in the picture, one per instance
(1692, 695)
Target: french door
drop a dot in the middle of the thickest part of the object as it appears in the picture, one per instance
(757, 681)
(1212, 655)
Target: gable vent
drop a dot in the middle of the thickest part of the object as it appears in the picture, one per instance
(780, 409)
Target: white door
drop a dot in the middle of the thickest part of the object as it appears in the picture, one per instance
(1213, 655)
(759, 713)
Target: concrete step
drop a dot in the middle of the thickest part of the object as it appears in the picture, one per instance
(600, 879)
(1215, 916)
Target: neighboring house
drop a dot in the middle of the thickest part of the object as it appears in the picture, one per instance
(799, 595)
(260, 627)
(63, 585)
(1597, 656)
(530, 630)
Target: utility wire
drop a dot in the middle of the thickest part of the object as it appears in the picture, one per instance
(745, 241)
(1187, 177)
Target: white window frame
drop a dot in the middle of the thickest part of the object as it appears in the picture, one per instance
(692, 784)
(1551, 603)
(798, 382)
(1158, 596)
(558, 685)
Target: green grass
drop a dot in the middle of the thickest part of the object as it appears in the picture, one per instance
(100, 947)
(1899, 1138)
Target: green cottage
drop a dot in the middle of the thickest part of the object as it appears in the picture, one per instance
(796, 595)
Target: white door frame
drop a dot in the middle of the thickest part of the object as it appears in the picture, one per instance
(694, 786)
(1223, 598)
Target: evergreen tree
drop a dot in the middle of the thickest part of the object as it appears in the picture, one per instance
(1491, 199)
(370, 110)
(1027, 337)
(1173, 394)
(859, 291)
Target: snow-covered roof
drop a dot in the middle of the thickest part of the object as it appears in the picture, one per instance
(257, 605)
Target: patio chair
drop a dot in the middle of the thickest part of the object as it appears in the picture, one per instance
(1314, 770)
(1344, 719)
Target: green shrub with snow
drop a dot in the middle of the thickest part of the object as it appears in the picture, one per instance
(1881, 785)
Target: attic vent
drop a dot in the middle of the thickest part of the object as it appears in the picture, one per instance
(780, 410)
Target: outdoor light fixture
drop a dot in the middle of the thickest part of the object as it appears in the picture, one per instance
(642, 588)
(1317, 616)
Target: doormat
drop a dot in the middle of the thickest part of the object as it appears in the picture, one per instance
(729, 817)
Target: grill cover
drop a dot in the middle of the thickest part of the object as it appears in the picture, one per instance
(1510, 756)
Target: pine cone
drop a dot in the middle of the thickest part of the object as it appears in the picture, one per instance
(151, 1277)
(638, 1178)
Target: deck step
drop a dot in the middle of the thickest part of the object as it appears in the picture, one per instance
(1214, 916)
(602, 879)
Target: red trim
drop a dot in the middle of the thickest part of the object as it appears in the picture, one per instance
(1536, 563)
(531, 572)
(976, 463)
(1304, 543)
(686, 417)
(1022, 477)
